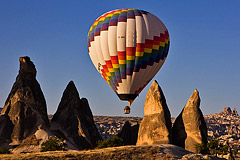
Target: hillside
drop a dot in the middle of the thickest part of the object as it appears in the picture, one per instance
(166, 151)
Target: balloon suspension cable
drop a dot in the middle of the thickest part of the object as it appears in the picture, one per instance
(130, 102)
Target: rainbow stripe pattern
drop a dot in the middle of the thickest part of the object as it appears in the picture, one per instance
(128, 47)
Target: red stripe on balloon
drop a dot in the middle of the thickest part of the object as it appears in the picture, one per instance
(109, 64)
(114, 59)
(130, 51)
(122, 55)
(156, 40)
(140, 47)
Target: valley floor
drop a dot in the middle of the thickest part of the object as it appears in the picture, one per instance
(164, 151)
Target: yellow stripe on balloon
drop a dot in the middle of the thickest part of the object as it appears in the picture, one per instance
(111, 69)
(156, 47)
(122, 61)
(102, 19)
(162, 44)
(115, 65)
(148, 50)
(108, 74)
(139, 53)
(130, 57)
(166, 41)
(109, 15)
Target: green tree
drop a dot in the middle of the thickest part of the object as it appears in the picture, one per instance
(212, 145)
(222, 149)
(4, 150)
(111, 142)
(53, 144)
(202, 148)
(235, 151)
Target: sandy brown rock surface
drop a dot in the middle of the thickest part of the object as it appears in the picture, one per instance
(190, 127)
(156, 126)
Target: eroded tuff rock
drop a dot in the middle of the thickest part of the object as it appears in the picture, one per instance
(129, 133)
(25, 108)
(190, 127)
(155, 127)
(226, 110)
(74, 120)
(234, 112)
(33, 142)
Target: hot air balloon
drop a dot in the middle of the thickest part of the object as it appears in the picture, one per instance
(128, 47)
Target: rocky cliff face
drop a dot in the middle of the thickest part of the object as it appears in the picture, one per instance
(33, 142)
(25, 108)
(129, 133)
(155, 127)
(190, 127)
(74, 120)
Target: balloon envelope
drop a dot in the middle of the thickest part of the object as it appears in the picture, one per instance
(128, 47)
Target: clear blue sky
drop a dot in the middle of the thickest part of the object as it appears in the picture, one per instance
(204, 51)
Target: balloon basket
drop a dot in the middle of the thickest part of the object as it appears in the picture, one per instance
(127, 110)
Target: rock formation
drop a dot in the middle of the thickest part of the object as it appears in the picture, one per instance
(226, 110)
(6, 128)
(234, 112)
(129, 133)
(155, 127)
(25, 108)
(190, 127)
(74, 120)
(33, 142)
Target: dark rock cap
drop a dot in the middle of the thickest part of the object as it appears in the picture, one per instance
(27, 66)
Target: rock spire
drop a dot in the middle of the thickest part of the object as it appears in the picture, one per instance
(74, 120)
(25, 108)
(234, 112)
(190, 127)
(155, 127)
(129, 133)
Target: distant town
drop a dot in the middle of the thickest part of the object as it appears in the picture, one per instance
(224, 125)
